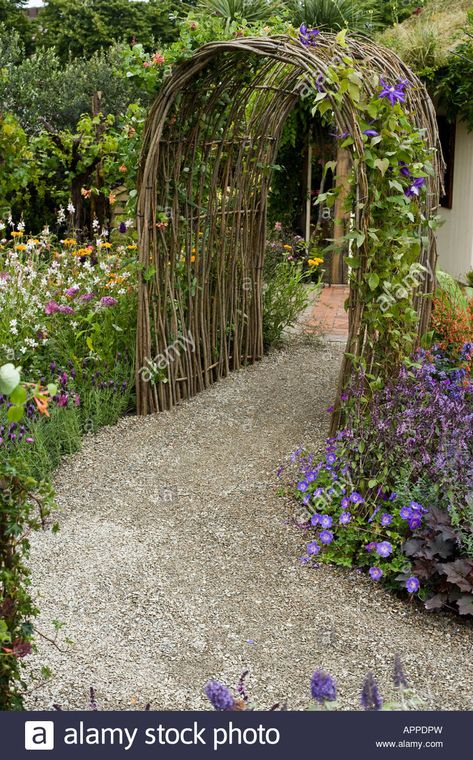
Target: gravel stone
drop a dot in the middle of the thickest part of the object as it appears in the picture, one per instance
(175, 563)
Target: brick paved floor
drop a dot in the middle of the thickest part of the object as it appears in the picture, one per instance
(328, 314)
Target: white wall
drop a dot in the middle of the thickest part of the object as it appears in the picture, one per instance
(455, 236)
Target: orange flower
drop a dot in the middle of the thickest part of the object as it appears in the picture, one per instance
(16, 234)
(158, 58)
(42, 404)
(122, 168)
(85, 192)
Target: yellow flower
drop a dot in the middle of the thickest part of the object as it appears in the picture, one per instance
(105, 245)
(16, 234)
(132, 247)
(192, 259)
(193, 250)
(20, 247)
(83, 252)
(69, 241)
(287, 247)
(33, 241)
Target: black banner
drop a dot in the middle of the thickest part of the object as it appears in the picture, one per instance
(266, 735)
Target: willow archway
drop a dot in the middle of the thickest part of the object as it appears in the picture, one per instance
(210, 144)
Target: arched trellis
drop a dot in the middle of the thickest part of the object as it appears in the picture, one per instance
(210, 143)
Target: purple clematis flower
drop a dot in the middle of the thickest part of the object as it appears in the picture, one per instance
(414, 189)
(315, 519)
(302, 486)
(355, 498)
(345, 518)
(307, 36)
(386, 519)
(394, 93)
(405, 513)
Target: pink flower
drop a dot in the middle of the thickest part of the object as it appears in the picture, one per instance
(147, 64)
(278, 226)
(51, 307)
(107, 301)
(77, 399)
(87, 297)
(64, 309)
(63, 399)
(158, 58)
(71, 292)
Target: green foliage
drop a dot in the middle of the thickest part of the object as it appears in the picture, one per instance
(239, 10)
(76, 28)
(334, 15)
(286, 295)
(455, 88)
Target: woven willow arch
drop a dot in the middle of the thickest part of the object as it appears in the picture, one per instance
(211, 138)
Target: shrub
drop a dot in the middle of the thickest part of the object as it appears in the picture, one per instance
(403, 462)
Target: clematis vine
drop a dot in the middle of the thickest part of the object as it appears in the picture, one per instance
(394, 93)
(308, 36)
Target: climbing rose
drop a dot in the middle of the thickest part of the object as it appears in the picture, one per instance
(219, 695)
(323, 687)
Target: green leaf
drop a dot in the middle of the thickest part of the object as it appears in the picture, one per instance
(382, 164)
(15, 413)
(373, 281)
(9, 378)
(52, 389)
(372, 483)
(89, 342)
(19, 395)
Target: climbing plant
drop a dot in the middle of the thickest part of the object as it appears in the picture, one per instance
(204, 167)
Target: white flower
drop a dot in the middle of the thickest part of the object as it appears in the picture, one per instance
(61, 216)
(70, 207)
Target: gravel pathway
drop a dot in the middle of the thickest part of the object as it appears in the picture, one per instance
(174, 563)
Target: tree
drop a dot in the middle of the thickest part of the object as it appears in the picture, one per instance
(77, 28)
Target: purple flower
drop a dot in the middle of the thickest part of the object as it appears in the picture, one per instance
(371, 546)
(65, 309)
(322, 687)
(412, 584)
(384, 549)
(315, 519)
(394, 93)
(122, 227)
(404, 170)
(71, 292)
(331, 459)
(371, 133)
(345, 502)
(345, 518)
(370, 698)
(87, 297)
(326, 521)
(313, 548)
(108, 301)
(399, 677)
(311, 476)
(416, 507)
(318, 492)
(405, 513)
(386, 519)
(356, 498)
(414, 188)
(219, 696)
(326, 536)
(376, 573)
(415, 522)
(51, 307)
(308, 36)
